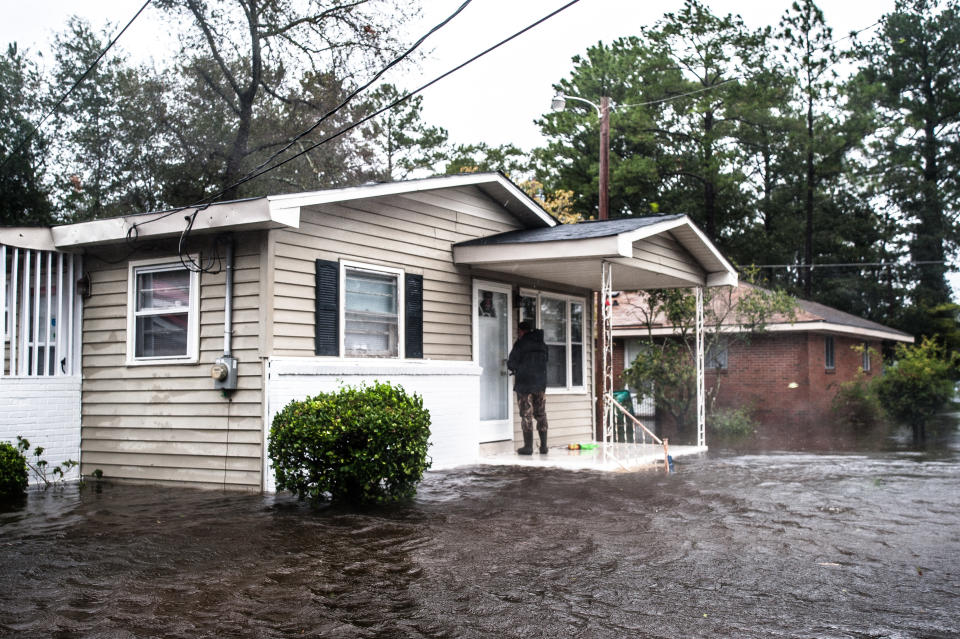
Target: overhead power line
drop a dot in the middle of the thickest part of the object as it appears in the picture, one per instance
(852, 264)
(356, 92)
(398, 101)
(202, 204)
(23, 144)
(184, 258)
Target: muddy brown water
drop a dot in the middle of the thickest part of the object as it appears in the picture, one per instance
(760, 545)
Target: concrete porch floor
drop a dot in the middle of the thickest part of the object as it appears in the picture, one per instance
(605, 457)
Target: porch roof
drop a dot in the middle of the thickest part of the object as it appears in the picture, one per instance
(666, 251)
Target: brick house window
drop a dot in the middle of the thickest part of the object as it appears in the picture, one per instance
(828, 359)
(866, 357)
(717, 355)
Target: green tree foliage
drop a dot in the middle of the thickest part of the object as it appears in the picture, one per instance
(404, 141)
(13, 474)
(570, 161)
(25, 200)
(481, 158)
(666, 368)
(918, 384)
(366, 445)
(108, 143)
(263, 67)
(910, 65)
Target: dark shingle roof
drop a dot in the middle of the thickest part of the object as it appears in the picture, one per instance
(835, 316)
(630, 313)
(579, 231)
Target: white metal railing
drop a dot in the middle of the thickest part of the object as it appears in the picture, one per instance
(701, 386)
(40, 312)
(606, 345)
(615, 407)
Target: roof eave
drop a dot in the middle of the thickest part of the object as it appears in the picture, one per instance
(799, 327)
(37, 238)
(241, 215)
(495, 185)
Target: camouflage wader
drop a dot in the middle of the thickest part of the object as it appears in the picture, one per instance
(533, 405)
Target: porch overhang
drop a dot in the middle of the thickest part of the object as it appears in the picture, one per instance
(644, 253)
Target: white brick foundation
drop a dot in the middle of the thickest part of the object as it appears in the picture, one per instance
(450, 391)
(46, 411)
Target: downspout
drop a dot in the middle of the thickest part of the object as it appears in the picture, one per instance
(224, 371)
(228, 302)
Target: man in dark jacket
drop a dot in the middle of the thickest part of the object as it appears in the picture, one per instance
(528, 364)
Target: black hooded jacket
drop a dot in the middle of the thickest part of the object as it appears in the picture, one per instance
(528, 363)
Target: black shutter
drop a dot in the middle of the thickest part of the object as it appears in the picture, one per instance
(327, 340)
(413, 319)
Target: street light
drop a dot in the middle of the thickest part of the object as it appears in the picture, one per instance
(559, 103)
(604, 328)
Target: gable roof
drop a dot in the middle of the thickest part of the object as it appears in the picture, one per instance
(581, 230)
(665, 251)
(277, 211)
(629, 319)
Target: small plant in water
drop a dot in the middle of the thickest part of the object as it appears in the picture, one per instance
(39, 465)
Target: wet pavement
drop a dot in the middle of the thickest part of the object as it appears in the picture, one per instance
(757, 545)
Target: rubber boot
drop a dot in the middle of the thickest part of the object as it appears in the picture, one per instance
(527, 444)
(543, 442)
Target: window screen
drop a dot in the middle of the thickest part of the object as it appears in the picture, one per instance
(371, 319)
(162, 312)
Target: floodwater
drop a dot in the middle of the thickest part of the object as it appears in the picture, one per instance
(762, 545)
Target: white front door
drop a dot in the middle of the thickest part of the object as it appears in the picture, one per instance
(491, 331)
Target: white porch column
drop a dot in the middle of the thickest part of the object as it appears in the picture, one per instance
(701, 386)
(606, 328)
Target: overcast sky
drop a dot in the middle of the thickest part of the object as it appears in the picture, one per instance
(494, 100)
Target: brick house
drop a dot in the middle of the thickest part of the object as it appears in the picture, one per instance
(788, 375)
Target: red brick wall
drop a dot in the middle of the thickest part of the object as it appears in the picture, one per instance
(760, 374)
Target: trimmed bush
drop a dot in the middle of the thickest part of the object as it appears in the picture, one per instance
(13, 473)
(363, 445)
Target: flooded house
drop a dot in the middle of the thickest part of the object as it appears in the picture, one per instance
(157, 347)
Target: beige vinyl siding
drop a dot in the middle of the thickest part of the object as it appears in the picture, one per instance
(666, 252)
(165, 423)
(414, 232)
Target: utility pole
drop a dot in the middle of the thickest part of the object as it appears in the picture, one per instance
(604, 204)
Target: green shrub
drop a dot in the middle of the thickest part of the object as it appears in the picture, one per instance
(732, 423)
(13, 473)
(919, 383)
(365, 445)
(857, 406)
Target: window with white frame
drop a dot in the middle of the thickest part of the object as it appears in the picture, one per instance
(866, 357)
(562, 320)
(371, 311)
(163, 313)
